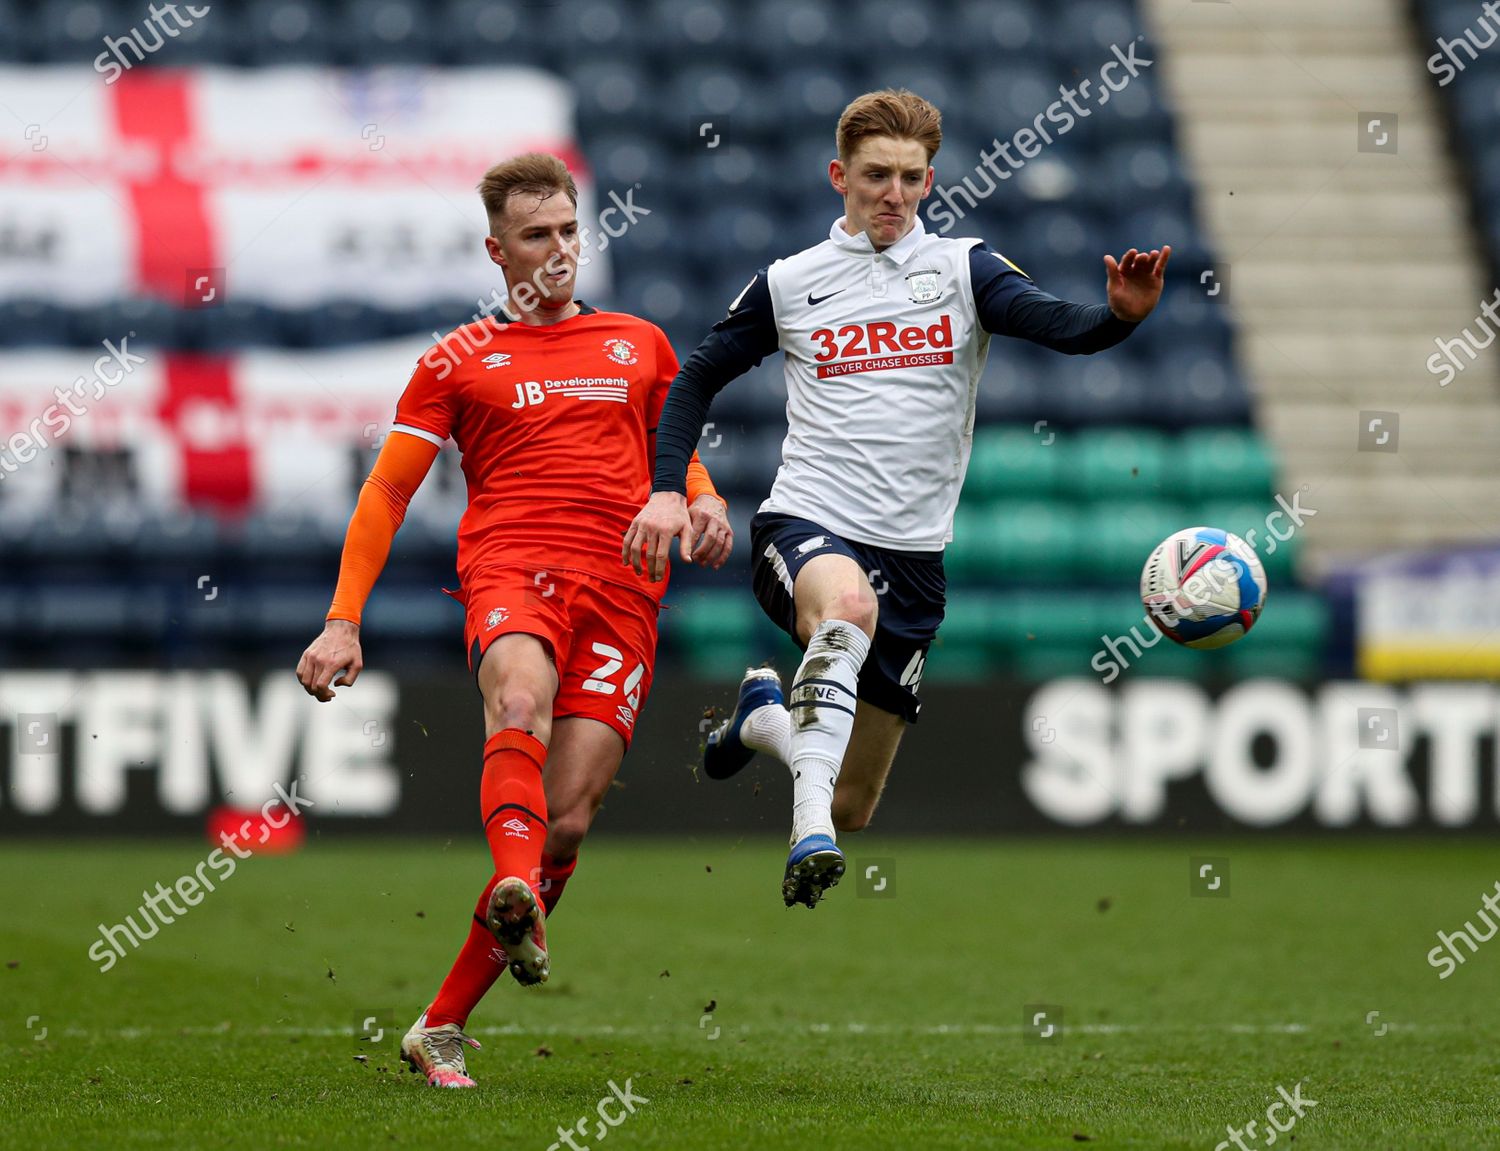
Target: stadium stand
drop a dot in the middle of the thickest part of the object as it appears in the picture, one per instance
(1079, 464)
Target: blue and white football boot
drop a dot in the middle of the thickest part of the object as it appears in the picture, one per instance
(725, 753)
(814, 865)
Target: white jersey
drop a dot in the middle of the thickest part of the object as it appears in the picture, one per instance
(884, 351)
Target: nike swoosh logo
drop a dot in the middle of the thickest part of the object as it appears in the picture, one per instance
(814, 301)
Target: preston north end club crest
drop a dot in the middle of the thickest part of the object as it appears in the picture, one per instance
(924, 286)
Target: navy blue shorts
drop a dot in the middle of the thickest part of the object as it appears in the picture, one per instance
(910, 588)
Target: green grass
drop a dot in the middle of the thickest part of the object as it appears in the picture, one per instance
(869, 1023)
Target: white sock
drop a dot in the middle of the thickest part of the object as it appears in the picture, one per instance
(769, 729)
(822, 719)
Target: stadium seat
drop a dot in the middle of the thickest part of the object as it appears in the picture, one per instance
(985, 33)
(1121, 534)
(58, 31)
(1222, 463)
(1115, 464)
(1106, 389)
(291, 32)
(792, 33)
(389, 32)
(29, 322)
(1012, 462)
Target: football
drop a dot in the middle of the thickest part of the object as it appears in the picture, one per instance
(1203, 587)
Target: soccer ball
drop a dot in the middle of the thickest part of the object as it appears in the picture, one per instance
(1203, 587)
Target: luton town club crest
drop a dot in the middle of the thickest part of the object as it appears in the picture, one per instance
(924, 286)
(498, 616)
(620, 351)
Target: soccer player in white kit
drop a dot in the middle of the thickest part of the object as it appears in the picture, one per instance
(885, 329)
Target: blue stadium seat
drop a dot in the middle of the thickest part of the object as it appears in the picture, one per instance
(168, 540)
(292, 32)
(1143, 173)
(679, 32)
(994, 33)
(789, 33)
(1085, 30)
(39, 323)
(216, 37)
(389, 32)
(808, 100)
(335, 323)
(613, 92)
(706, 104)
(1105, 388)
(58, 31)
(150, 323)
(1198, 388)
(235, 324)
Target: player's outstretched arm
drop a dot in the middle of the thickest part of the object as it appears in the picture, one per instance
(1010, 304)
(334, 658)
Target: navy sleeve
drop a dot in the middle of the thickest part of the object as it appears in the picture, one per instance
(1009, 304)
(736, 344)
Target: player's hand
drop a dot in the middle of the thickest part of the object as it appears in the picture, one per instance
(1135, 282)
(332, 660)
(710, 519)
(649, 537)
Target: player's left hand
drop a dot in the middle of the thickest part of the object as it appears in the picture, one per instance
(1135, 282)
(710, 520)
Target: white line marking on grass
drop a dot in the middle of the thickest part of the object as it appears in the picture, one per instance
(846, 1028)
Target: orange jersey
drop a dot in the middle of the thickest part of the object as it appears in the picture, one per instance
(555, 425)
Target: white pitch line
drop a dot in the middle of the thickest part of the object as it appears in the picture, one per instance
(880, 1029)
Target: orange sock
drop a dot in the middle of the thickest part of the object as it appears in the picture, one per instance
(555, 877)
(480, 962)
(513, 804)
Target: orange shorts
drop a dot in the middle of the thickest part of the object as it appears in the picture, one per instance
(602, 636)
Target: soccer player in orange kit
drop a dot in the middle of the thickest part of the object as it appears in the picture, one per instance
(554, 408)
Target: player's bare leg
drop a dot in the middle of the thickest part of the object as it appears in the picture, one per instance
(866, 766)
(836, 614)
(518, 681)
(581, 764)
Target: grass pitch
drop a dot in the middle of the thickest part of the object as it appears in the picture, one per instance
(888, 1018)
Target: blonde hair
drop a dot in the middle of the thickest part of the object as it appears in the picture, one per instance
(890, 112)
(532, 174)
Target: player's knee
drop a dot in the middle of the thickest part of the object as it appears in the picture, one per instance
(854, 606)
(516, 707)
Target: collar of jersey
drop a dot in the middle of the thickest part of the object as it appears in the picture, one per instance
(505, 317)
(860, 245)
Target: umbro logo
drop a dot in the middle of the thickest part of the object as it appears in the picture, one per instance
(517, 827)
(814, 301)
(497, 360)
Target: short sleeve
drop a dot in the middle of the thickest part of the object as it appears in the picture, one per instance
(426, 408)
